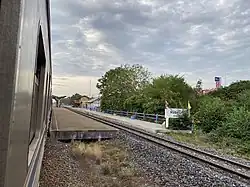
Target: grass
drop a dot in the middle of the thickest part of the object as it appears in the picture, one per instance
(92, 152)
(107, 164)
(226, 145)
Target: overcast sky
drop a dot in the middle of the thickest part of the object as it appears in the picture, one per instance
(194, 38)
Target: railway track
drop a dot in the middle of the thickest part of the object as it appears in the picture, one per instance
(227, 165)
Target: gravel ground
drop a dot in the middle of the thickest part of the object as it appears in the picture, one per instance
(212, 150)
(59, 169)
(64, 166)
(166, 168)
(160, 166)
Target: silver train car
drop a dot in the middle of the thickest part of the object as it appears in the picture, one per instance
(25, 89)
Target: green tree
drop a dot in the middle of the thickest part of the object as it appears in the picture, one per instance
(211, 113)
(172, 89)
(76, 96)
(232, 91)
(121, 83)
(66, 101)
(135, 102)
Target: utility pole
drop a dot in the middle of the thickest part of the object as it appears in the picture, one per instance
(90, 91)
(166, 115)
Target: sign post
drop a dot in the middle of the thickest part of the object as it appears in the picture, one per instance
(166, 116)
(189, 115)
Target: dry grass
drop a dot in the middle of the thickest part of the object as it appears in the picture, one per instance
(91, 152)
(107, 164)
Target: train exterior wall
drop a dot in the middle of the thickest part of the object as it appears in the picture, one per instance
(23, 24)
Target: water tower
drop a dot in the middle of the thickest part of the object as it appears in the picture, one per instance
(217, 82)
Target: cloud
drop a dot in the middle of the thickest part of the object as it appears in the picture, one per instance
(85, 85)
(196, 38)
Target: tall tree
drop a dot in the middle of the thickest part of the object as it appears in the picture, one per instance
(172, 89)
(66, 101)
(74, 97)
(118, 84)
(232, 91)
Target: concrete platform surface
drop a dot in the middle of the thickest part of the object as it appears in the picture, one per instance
(69, 125)
(147, 126)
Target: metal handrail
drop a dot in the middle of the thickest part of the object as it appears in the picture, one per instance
(157, 118)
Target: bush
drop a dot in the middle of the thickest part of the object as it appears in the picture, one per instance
(236, 124)
(211, 113)
(243, 99)
(232, 91)
(182, 123)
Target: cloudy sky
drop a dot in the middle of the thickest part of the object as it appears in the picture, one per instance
(194, 38)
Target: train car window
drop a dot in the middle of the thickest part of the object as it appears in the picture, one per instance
(38, 89)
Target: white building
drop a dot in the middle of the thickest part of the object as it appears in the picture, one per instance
(94, 104)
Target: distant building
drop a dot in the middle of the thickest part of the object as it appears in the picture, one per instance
(82, 102)
(94, 104)
(206, 91)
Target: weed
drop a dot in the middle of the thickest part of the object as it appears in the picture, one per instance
(112, 167)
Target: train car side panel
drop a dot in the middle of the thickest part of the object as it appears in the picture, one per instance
(28, 59)
(9, 28)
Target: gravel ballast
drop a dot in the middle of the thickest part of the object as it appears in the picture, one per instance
(158, 165)
(220, 153)
(167, 168)
(207, 149)
(59, 169)
(92, 164)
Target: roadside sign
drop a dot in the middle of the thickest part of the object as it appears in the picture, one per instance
(174, 112)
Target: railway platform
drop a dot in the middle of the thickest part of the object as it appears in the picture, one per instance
(144, 125)
(67, 125)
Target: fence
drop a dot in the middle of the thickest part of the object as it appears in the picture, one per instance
(141, 116)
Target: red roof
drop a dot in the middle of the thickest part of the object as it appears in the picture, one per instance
(206, 91)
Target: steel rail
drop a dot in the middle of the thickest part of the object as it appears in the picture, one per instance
(178, 147)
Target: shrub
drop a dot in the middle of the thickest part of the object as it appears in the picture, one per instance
(211, 113)
(243, 99)
(232, 91)
(236, 125)
(182, 123)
